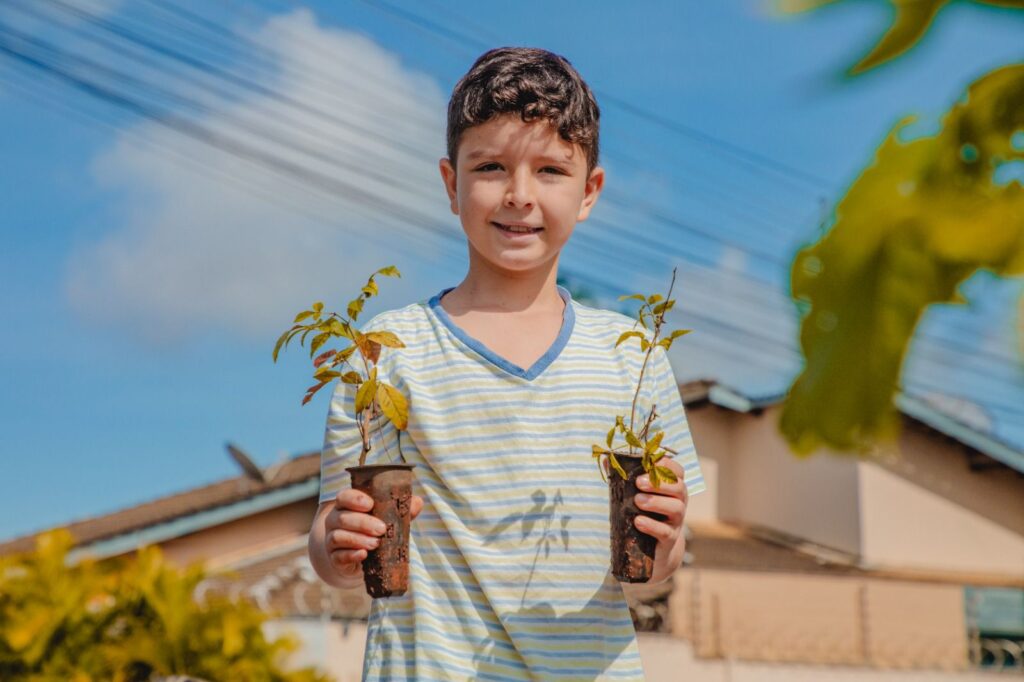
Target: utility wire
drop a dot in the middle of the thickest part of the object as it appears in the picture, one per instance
(652, 245)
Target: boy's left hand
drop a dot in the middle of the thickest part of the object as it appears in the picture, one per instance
(670, 500)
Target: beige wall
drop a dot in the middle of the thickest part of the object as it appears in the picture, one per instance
(230, 541)
(908, 526)
(762, 483)
(710, 427)
(338, 650)
(915, 505)
(805, 618)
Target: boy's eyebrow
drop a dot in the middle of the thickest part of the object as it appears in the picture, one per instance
(479, 153)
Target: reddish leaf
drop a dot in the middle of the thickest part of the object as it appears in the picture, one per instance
(322, 358)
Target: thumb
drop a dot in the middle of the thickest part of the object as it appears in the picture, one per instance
(416, 506)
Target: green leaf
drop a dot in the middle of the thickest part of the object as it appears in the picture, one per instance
(679, 332)
(633, 440)
(352, 378)
(318, 307)
(644, 344)
(371, 288)
(611, 435)
(597, 450)
(655, 478)
(651, 300)
(663, 307)
(666, 473)
(618, 467)
(394, 405)
(280, 342)
(389, 271)
(338, 328)
(640, 297)
(627, 335)
(355, 306)
(654, 443)
(365, 394)
(318, 340)
(303, 315)
(910, 24)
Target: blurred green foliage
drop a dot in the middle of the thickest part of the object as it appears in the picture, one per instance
(923, 217)
(126, 620)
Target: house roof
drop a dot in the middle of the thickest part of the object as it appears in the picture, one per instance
(915, 408)
(189, 503)
(191, 510)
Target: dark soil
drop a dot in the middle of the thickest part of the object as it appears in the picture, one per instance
(632, 550)
(386, 569)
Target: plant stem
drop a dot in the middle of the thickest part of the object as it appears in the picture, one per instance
(658, 321)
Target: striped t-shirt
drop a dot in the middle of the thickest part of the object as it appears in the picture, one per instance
(509, 559)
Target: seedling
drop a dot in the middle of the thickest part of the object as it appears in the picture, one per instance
(374, 397)
(643, 443)
(386, 568)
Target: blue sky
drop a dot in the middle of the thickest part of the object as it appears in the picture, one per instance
(144, 278)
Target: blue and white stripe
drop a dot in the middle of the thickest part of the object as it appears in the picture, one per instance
(509, 558)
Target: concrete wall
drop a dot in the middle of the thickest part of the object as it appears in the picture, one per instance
(921, 507)
(817, 619)
(711, 428)
(338, 650)
(764, 484)
(224, 543)
(915, 504)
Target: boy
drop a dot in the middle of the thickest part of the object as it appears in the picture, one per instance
(509, 383)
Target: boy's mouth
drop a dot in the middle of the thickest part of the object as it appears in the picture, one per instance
(517, 229)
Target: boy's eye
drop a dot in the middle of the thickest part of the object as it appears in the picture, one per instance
(489, 167)
(552, 169)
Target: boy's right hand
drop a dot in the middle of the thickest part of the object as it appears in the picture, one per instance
(350, 531)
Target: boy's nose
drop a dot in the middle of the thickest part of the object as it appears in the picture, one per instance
(518, 193)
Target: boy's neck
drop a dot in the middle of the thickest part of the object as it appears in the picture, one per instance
(485, 290)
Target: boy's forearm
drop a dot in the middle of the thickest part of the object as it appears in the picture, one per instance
(321, 562)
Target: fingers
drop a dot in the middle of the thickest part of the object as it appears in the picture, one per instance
(676, 489)
(354, 500)
(669, 500)
(348, 562)
(347, 549)
(416, 506)
(348, 540)
(664, 533)
(671, 507)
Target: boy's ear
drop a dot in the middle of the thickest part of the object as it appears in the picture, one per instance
(448, 175)
(592, 190)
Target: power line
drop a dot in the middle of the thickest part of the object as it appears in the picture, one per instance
(784, 172)
(376, 204)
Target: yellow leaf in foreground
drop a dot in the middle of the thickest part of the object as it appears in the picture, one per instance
(394, 405)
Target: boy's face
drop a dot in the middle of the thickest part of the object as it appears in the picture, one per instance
(512, 173)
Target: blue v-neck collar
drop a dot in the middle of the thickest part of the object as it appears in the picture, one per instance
(568, 322)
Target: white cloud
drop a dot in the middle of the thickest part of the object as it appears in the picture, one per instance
(209, 240)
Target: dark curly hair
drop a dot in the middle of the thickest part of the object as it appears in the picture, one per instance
(533, 83)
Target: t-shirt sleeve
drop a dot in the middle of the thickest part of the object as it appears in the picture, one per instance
(672, 420)
(342, 442)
